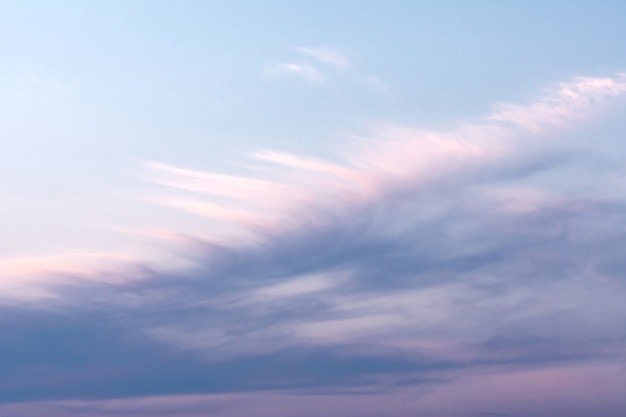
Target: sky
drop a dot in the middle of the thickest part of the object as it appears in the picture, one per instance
(296, 209)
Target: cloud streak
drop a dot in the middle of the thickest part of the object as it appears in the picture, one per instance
(305, 71)
(326, 55)
(419, 259)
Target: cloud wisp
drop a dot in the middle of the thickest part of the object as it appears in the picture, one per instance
(305, 71)
(326, 55)
(419, 259)
(322, 65)
(311, 68)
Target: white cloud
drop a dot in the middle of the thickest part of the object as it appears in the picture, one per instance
(327, 55)
(299, 286)
(305, 71)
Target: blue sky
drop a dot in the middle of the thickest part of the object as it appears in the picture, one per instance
(312, 208)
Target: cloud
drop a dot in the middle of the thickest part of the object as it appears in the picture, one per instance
(419, 209)
(569, 103)
(419, 260)
(325, 63)
(305, 71)
(326, 55)
(565, 390)
(27, 278)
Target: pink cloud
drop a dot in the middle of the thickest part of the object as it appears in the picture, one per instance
(571, 102)
(394, 157)
(27, 277)
(303, 190)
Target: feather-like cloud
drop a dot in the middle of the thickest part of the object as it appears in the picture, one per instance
(326, 55)
(418, 259)
(305, 71)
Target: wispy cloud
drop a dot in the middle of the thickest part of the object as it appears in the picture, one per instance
(326, 55)
(323, 63)
(570, 102)
(304, 71)
(30, 278)
(406, 207)
(419, 258)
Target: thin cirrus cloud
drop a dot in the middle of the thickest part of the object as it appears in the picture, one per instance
(323, 63)
(310, 70)
(26, 278)
(419, 260)
(326, 55)
(305, 71)
(397, 159)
